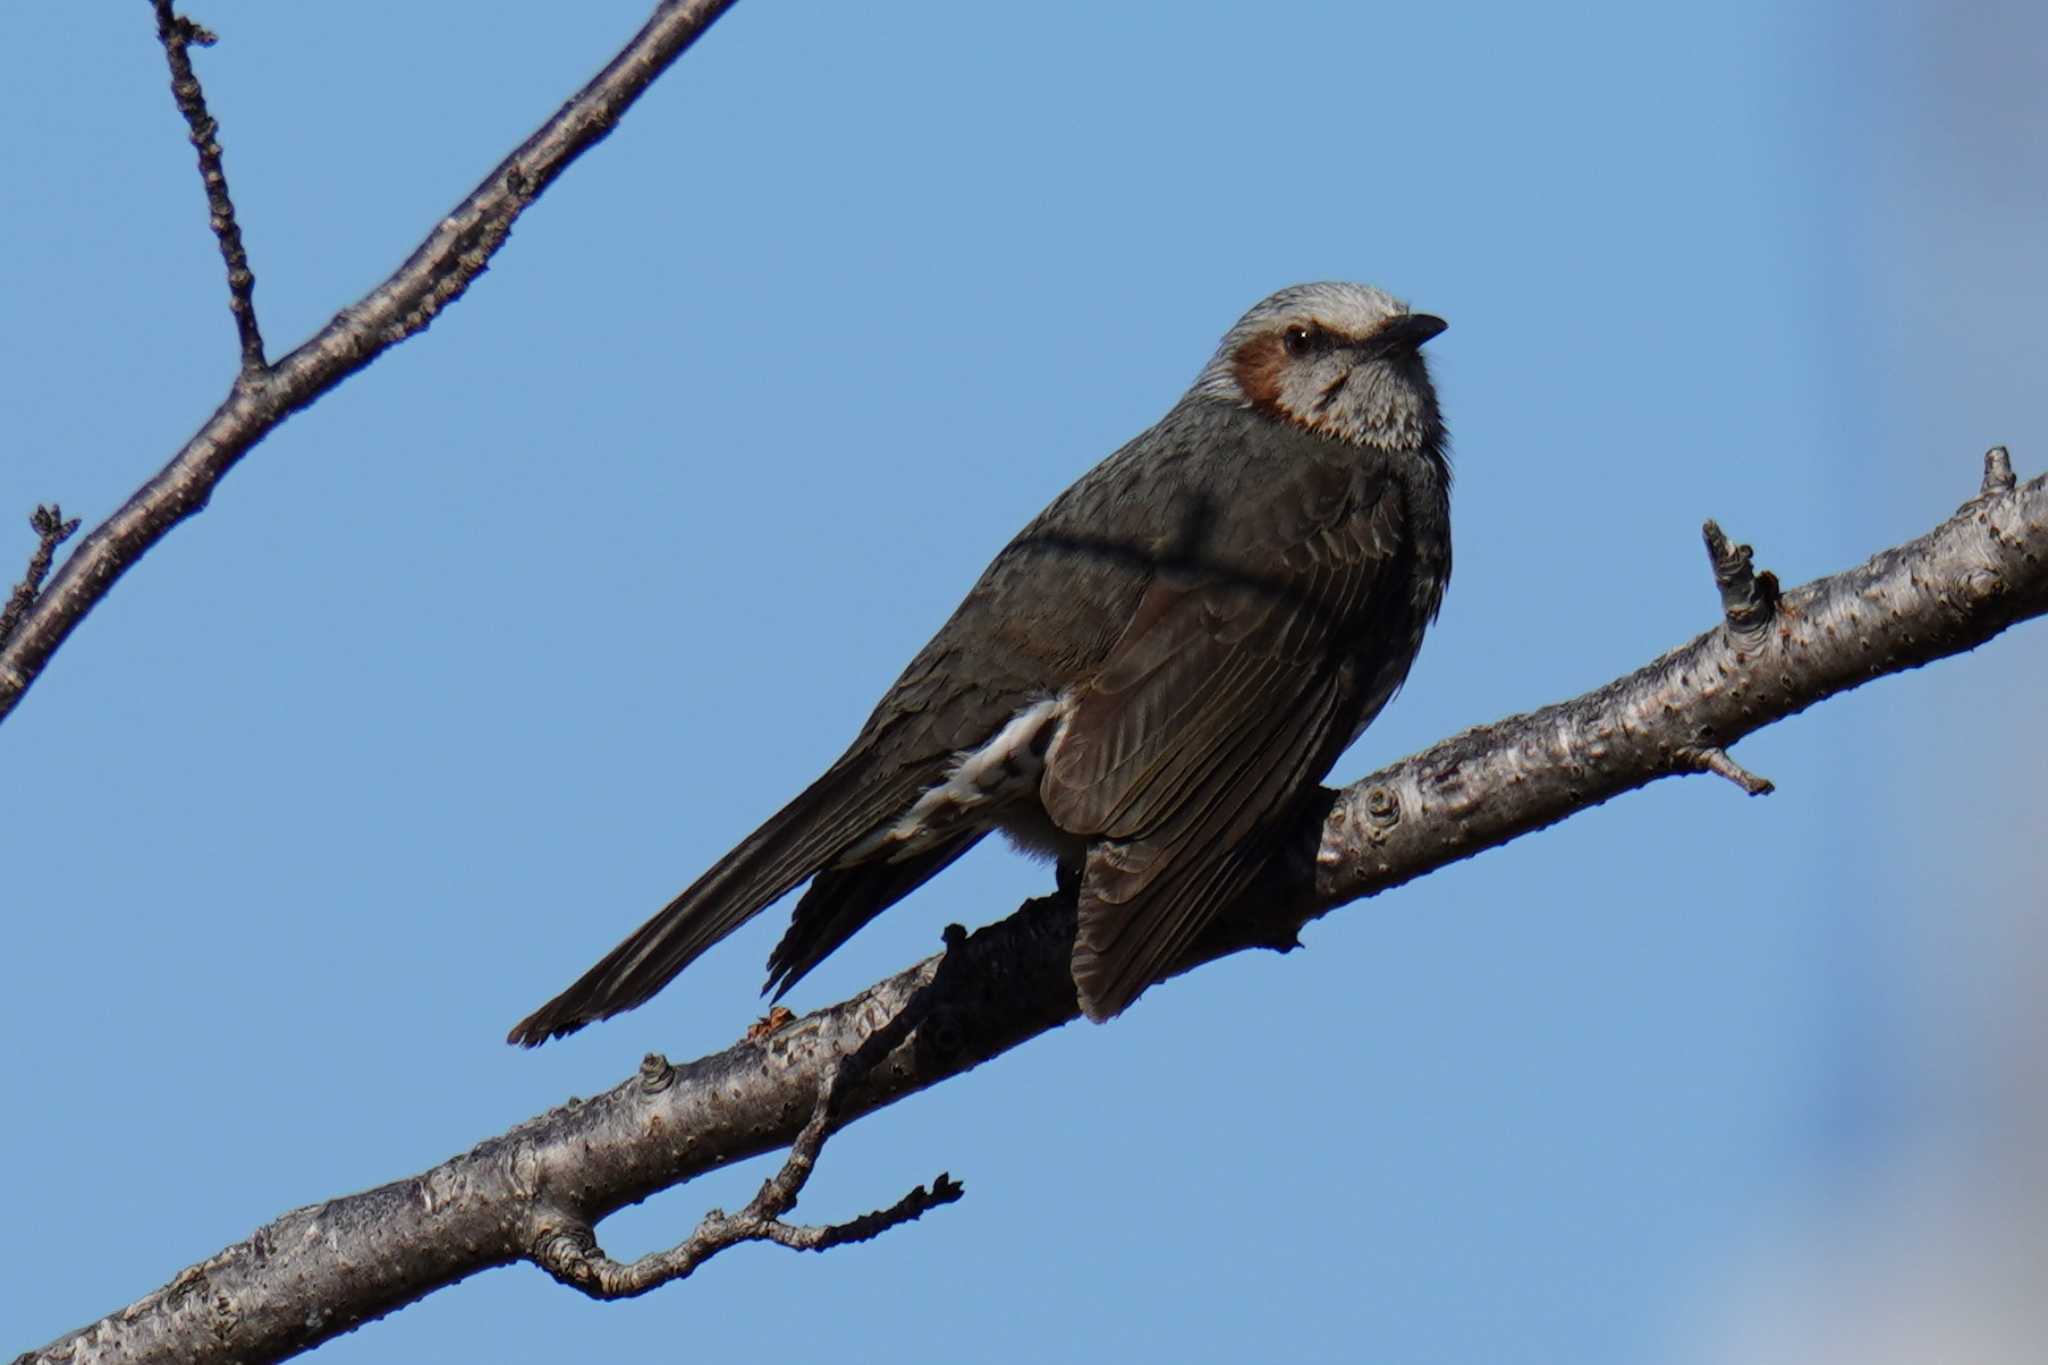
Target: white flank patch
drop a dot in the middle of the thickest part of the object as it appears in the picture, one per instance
(978, 785)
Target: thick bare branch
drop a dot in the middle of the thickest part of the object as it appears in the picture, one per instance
(454, 253)
(534, 1193)
(320, 1271)
(1947, 592)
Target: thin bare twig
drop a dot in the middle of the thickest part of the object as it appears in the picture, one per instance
(1717, 762)
(179, 35)
(566, 1245)
(51, 531)
(440, 269)
(318, 1271)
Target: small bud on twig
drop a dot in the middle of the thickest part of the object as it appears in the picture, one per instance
(1748, 598)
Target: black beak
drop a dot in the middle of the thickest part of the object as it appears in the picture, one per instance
(1407, 332)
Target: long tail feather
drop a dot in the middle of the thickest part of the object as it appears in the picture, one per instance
(841, 900)
(792, 846)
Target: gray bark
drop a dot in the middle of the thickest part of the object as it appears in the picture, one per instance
(537, 1192)
(264, 395)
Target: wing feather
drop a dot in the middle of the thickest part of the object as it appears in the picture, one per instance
(1212, 717)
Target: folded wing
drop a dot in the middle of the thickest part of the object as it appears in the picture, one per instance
(1187, 756)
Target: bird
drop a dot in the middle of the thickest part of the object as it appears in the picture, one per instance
(1148, 683)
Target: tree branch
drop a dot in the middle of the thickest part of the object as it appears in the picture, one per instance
(570, 1253)
(1949, 591)
(51, 531)
(537, 1192)
(458, 250)
(178, 36)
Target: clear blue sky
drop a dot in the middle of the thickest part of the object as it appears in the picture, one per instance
(473, 664)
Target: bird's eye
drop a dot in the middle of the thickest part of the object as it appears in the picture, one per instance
(1298, 340)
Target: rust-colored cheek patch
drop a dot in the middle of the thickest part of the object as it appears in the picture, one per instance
(1257, 367)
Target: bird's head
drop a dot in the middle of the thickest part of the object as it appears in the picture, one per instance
(1342, 360)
